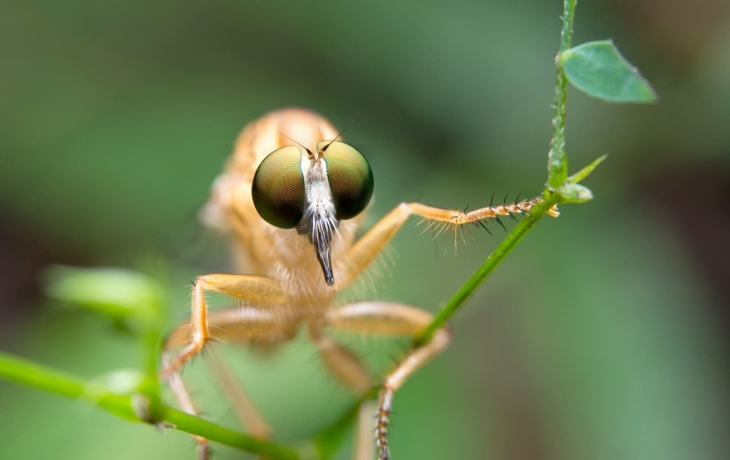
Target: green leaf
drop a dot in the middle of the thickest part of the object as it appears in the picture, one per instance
(119, 294)
(598, 69)
(574, 193)
(585, 172)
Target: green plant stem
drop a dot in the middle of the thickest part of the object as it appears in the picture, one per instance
(54, 381)
(151, 336)
(557, 160)
(471, 285)
(151, 348)
(557, 175)
(566, 35)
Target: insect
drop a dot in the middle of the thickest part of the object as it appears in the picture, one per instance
(292, 197)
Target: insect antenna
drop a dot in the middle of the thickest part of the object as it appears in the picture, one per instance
(324, 149)
(311, 154)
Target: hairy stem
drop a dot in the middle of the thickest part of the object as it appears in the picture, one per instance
(557, 160)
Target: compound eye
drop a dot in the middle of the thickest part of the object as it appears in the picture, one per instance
(350, 178)
(278, 188)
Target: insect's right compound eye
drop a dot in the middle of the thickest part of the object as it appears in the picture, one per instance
(278, 188)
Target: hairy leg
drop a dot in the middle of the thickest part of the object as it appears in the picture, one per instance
(258, 290)
(248, 325)
(386, 318)
(372, 243)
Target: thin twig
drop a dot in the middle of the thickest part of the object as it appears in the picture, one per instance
(557, 175)
(55, 381)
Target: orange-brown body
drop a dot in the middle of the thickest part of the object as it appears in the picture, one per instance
(281, 283)
(260, 248)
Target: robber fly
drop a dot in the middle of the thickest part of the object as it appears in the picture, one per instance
(291, 198)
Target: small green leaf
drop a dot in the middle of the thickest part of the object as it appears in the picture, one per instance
(598, 69)
(574, 193)
(119, 294)
(585, 172)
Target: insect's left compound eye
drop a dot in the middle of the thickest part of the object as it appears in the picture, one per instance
(350, 178)
(278, 188)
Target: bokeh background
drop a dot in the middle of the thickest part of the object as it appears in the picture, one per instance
(603, 336)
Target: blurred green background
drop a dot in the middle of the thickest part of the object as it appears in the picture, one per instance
(603, 336)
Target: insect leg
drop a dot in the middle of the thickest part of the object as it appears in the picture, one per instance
(250, 325)
(185, 401)
(364, 447)
(386, 318)
(257, 289)
(367, 248)
(345, 365)
(247, 413)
